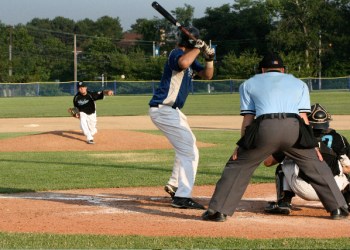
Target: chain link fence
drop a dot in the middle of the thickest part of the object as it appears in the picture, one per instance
(148, 87)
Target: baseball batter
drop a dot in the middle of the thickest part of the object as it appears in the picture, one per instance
(165, 112)
(84, 101)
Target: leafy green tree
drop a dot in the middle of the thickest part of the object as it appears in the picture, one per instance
(108, 27)
(236, 28)
(85, 27)
(62, 24)
(28, 65)
(58, 58)
(184, 15)
(96, 58)
(238, 67)
(4, 52)
(302, 27)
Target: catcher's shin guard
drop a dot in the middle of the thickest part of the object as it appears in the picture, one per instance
(284, 197)
(279, 175)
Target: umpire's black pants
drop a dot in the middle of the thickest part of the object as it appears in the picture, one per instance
(274, 135)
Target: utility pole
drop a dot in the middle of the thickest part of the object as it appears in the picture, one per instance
(10, 52)
(75, 64)
(319, 60)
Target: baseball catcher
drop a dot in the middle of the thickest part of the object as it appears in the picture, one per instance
(85, 109)
(291, 181)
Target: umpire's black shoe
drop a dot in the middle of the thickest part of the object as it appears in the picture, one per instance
(212, 215)
(339, 214)
(180, 202)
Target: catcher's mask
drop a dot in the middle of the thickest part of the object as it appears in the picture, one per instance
(184, 40)
(319, 117)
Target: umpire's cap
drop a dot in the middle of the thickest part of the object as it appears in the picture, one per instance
(319, 117)
(184, 40)
(271, 60)
(81, 84)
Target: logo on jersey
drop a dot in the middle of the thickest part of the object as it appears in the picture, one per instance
(83, 102)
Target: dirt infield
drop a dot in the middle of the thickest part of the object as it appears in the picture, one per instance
(147, 210)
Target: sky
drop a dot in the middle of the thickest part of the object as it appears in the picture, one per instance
(13, 12)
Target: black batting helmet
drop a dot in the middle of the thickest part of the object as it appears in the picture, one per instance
(319, 117)
(184, 40)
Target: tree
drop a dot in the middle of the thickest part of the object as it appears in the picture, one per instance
(301, 27)
(184, 15)
(28, 65)
(108, 27)
(236, 28)
(241, 67)
(96, 58)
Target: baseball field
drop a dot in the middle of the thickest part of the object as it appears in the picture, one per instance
(56, 191)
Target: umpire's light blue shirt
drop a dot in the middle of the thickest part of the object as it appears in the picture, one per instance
(274, 92)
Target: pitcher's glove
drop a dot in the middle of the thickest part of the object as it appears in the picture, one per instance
(74, 112)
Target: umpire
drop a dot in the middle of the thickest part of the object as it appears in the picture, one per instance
(281, 103)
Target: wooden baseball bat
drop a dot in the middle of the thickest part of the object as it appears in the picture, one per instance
(171, 19)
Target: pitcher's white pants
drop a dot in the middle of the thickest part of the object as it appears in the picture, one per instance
(88, 125)
(173, 123)
(300, 187)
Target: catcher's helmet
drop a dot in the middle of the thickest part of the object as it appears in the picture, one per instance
(184, 40)
(319, 117)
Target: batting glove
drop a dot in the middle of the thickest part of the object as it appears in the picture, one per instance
(209, 54)
(200, 44)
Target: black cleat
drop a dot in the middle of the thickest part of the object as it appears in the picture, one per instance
(339, 214)
(211, 215)
(275, 208)
(180, 202)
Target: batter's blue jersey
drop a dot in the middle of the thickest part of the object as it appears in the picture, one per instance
(175, 84)
(274, 92)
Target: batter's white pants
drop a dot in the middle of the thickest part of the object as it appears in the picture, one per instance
(173, 123)
(300, 187)
(88, 125)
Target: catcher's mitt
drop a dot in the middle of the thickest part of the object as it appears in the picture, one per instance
(74, 112)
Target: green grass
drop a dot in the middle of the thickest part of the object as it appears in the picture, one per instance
(52, 241)
(225, 104)
(40, 171)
